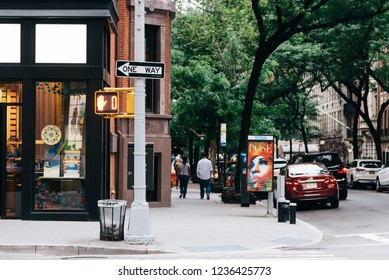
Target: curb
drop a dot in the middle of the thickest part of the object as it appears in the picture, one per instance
(75, 250)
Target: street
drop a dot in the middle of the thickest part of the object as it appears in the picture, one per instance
(358, 229)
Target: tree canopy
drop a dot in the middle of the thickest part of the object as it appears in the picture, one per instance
(256, 53)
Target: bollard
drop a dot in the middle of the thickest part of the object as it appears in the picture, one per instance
(292, 213)
(281, 210)
(286, 210)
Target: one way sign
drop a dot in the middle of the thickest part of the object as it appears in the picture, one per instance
(152, 70)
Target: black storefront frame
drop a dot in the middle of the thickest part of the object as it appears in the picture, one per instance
(93, 74)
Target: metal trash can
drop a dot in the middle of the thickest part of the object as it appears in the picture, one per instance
(112, 216)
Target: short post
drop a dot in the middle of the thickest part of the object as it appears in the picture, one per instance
(281, 210)
(292, 213)
(286, 209)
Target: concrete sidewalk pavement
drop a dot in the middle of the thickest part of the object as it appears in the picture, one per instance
(190, 225)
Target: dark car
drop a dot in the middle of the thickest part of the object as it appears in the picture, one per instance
(310, 182)
(334, 165)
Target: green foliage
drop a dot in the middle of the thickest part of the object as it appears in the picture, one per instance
(293, 43)
(210, 61)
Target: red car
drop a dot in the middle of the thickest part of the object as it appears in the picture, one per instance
(310, 182)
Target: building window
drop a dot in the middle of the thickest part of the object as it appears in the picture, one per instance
(107, 49)
(60, 146)
(10, 100)
(60, 43)
(10, 46)
(152, 45)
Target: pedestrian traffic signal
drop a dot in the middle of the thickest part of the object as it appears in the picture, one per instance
(106, 102)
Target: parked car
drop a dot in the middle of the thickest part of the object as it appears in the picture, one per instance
(363, 172)
(334, 165)
(382, 178)
(310, 182)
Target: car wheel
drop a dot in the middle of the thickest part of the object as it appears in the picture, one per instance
(335, 204)
(343, 194)
(378, 186)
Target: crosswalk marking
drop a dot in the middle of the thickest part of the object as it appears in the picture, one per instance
(375, 238)
(371, 236)
(359, 234)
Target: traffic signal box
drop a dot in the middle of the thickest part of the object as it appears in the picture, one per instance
(107, 101)
(130, 99)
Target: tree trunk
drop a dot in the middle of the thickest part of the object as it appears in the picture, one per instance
(190, 157)
(290, 148)
(261, 55)
(304, 135)
(212, 152)
(195, 160)
(355, 135)
(377, 142)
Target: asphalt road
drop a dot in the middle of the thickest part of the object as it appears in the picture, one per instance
(357, 230)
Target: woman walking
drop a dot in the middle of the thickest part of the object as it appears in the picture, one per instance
(184, 175)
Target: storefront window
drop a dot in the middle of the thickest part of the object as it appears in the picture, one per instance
(10, 46)
(69, 41)
(11, 134)
(60, 146)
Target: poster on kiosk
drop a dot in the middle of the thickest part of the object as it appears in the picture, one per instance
(260, 163)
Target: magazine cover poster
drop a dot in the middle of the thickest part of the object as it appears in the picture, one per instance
(260, 163)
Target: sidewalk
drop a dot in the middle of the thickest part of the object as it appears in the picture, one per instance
(190, 225)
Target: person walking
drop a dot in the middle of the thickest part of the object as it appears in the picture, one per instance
(184, 175)
(204, 171)
(177, 163)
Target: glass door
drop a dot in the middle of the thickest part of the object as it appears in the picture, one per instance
(11, 150)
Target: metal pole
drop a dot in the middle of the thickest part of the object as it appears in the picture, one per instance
(139, 226)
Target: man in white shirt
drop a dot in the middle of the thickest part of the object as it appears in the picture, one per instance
(204, 171)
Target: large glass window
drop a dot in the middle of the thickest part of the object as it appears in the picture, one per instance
(60, 145)
(11, 157)
(60, 43)
(10, 44)
(152, 42)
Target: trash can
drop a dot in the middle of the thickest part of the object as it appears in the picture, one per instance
(112, 216)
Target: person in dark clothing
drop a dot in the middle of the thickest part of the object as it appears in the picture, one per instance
(184, 176)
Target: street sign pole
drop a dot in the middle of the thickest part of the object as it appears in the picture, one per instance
(139, 226)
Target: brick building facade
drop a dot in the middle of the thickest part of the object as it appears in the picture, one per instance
(158, 17)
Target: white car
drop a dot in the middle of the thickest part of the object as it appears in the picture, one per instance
(382, 180)
(363, 171)
(278, 163)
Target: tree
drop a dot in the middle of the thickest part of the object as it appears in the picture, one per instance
(291, 90)
(196, 111)
(356, 62)
(278, 21)
(212, 38)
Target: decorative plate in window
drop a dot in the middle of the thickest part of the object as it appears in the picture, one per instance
(51, 134)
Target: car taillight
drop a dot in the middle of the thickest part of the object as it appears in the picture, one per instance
(358, 169)
(342, 170)
(291, 184)
(330, 182)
